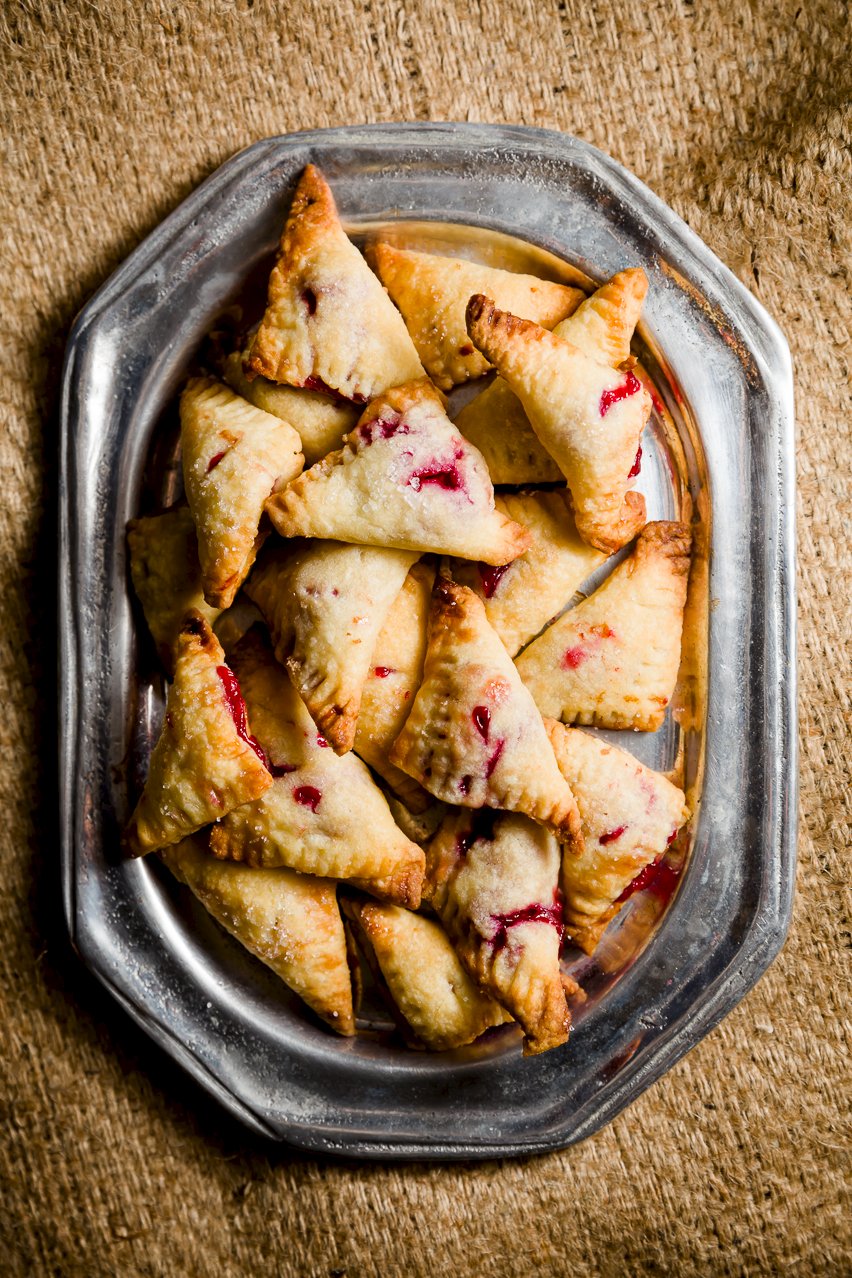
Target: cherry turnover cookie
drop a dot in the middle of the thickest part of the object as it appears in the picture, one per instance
(613, 660)
(433, 291)
(291, 922)
(234, 456)
(329, 325)
(493, 880)
(589, 417)
(325, 604)
(474, 736)
(630, 813)
(404, 478)
(323, 813)
(205, 762)
(495, 421)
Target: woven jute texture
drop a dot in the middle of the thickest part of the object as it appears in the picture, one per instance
(737, 115)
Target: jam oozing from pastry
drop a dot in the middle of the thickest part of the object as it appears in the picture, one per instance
(482, 827)
(447, 478)
(308, 795)
(464, 784)
(237, 707)
(321, 741)
(281, 769)
(381, 429)
(382, 672)
(481, 720)
(580, 652)
(309, 297)
(491, 575)
(495, 758)
(215, 459)
(659, 877)
(313, 383)
(535, 913)
(637, 464)
(612, 835)
(628, 387)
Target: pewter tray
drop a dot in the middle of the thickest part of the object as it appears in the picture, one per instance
(720, 450)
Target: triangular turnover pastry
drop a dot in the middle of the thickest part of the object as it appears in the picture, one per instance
(205, 762)
(320, 421)
(396, 669)
(323, 814)
(589, 418)
(495, 420)
(474, 736)
(325, 604)
(166, 575)
(404, 478)
(432, 292)
(291, 922)
(329, 324)
(493, 880)
(630, 813)
(523, 596)
(234, 456)
(418, 969)
(612, 661)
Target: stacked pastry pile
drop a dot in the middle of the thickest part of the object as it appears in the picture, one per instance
(383, 758)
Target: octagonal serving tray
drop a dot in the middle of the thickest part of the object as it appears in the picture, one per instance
(720, 447)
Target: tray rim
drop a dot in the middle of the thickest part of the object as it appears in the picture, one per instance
(768, 924)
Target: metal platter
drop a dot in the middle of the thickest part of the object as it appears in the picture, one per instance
(719, 451)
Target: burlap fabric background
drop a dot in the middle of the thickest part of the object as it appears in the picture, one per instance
(738, 116)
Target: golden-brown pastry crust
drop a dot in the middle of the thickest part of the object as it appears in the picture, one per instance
(205, 762)
(588, 417)
(432, 292)
(234, 456)
(630, 816)
(290, 921)
(396, 670)
(323, 813)
(493, 880)
(166, 575)
(325, 604)
(474, 736)
(328, 323)
(495, 421)
(405, 478)
(523, 596)
(320, 421)
(612, 661)
(424, 978)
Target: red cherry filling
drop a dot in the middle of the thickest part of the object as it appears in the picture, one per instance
(308, 795)
(495, 758)
(628, 387)
(481, 827)
(481, 720)
(215, 459)
(317, 384)
(491, 576)
(237, 707)
(659, 877)
(637, 464)
(535, 913)
(321, 741)
(612, 835)
(309, 297)
(575, 656)
(281, 769)
(381, 429)
(382, 672)
(447, 478)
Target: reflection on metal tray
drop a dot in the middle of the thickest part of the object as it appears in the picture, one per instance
(718, 450)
